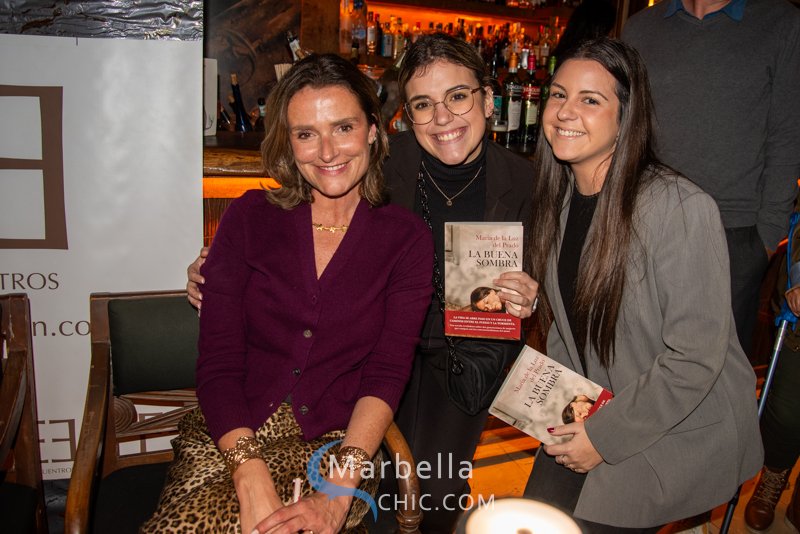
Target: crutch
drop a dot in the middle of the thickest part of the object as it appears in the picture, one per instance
(784, 318)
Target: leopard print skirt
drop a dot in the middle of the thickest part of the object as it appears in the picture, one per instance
(199, 496)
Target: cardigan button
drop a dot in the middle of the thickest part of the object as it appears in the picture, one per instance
(307, 333)
(303, 409)
(296, 371)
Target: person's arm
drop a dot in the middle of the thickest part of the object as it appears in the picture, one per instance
(221, 367)
(318, 513)
(195, 279)
(255, 489)
(688, 269)
(782, 157)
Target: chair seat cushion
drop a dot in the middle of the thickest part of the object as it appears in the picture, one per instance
(128, 497)
(17, 508)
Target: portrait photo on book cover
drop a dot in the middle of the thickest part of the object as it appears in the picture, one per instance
(476, 254)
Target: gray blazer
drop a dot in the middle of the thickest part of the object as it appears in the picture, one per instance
(682, 431)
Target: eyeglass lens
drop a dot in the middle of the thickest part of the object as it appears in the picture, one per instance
(457, 102)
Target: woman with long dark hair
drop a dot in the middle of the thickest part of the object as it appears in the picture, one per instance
(633, 262)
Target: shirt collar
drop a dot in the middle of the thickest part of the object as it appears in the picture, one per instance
(734, 9)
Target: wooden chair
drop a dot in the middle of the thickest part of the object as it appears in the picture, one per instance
(22, 506)
(144, 349)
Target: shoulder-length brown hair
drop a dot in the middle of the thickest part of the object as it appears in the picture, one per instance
(602, 270)
(318, 71)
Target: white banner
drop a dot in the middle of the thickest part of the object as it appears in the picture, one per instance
(100, 190)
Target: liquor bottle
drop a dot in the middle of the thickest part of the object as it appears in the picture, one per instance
(224, 122)
(345, 26)
(262, 111)
(242, 121)
(531, 93)
(372, 36)
(545, 94)
(378, 35)
(497, 125)
(399, 41)
(294, 45)
(359, 25)
(512, 101)
(388, 40)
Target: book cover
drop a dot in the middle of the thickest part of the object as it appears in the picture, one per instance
(540, 393)
(475, 254)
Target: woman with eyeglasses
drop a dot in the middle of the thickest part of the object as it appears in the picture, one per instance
(447, 170)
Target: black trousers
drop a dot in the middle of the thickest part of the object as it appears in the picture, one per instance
(748, 260)
(780, 424)
(557, 486)
(443, 437)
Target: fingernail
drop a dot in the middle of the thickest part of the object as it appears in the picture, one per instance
(255, 532)
(551, 430)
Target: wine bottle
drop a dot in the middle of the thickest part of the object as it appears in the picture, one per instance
(531, 93)
(497, 125)
(372, 36)
(512, 101)
(545, 94)
(242, 120)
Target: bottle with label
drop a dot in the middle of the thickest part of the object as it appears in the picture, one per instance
(359, 25)
(345, 26)
(242, 120)
(262, 112)
(388, 40)
(512, 101)
(294, 46)
(372, 36)
(545, 94)
(531, 93)
(399, 41)
(497, 125)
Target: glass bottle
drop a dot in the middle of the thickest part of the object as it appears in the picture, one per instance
(512, 101)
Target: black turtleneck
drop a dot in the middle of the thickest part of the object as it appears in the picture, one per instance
(468, 206)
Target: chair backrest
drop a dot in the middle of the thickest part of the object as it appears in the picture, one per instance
(147, 344)
(19, 432)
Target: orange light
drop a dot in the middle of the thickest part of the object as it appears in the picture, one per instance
(234, 187)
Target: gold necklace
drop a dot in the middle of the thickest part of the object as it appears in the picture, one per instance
(439, 189)
(331, 229)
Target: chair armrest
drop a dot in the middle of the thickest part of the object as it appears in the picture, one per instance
(12, 400)
(90, 443)
(409, 515)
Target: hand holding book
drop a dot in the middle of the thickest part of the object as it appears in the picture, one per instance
(519, 291)
(577, 454)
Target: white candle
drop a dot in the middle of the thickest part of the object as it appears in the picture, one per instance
(520, 516)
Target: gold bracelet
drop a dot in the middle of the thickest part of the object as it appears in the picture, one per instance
(352, 458)
(246, 448)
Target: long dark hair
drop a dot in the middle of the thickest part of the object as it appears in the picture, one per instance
(601, 274)
(318, 71)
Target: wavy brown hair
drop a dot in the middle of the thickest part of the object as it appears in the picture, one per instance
(318, 71)
(602, 270)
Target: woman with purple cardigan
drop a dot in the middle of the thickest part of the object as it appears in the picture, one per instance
(315, 298)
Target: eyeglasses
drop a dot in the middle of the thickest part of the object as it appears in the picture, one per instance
(457, 101)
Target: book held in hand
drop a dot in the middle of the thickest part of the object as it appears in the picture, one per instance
(540, 393)
(475, 254)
